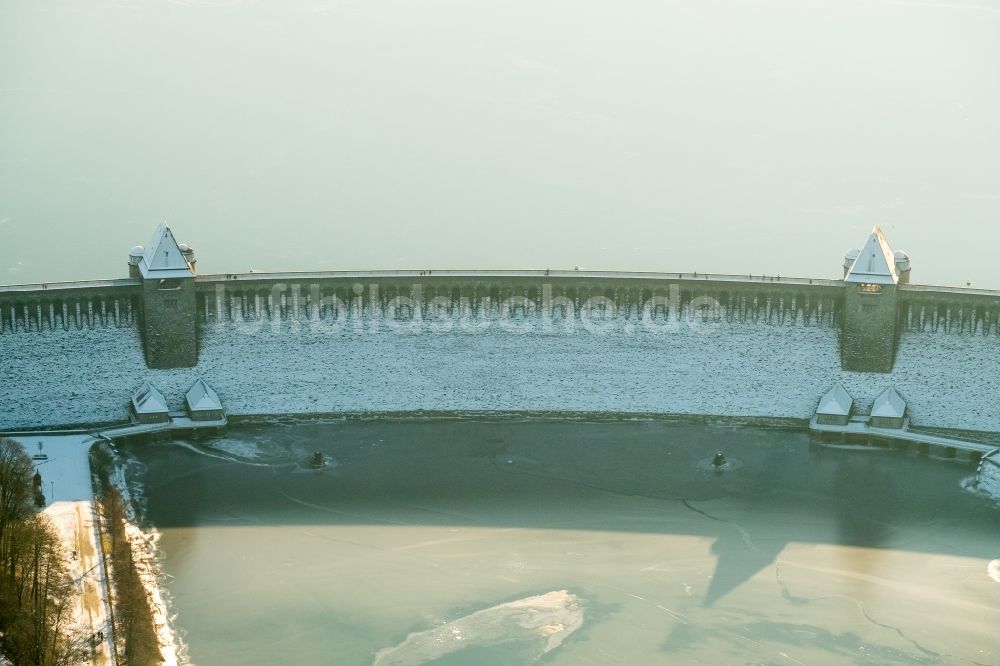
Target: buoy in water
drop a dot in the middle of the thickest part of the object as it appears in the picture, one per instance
(719, 461)
(317, 460)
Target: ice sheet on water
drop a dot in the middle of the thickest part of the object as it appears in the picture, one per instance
(532, 627)
(239, 448)
(222, 454)
(993, 570)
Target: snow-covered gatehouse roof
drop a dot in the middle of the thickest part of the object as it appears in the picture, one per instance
(148, 400)
(837, 402)
(889, 404)
(202, 398)
(163, 257)
(875, 263)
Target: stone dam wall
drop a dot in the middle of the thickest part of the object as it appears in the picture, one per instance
(326, 343)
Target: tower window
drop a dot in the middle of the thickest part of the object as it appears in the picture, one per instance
(869, 288)
(170, 303)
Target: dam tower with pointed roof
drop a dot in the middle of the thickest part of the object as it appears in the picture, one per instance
(870, 326)
(169, 326)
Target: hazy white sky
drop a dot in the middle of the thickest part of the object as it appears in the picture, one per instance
(709, 135)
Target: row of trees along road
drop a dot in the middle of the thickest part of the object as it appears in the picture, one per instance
(36, 591)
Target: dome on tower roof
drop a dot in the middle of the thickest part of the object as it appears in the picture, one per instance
(902, 261)
(135, 256)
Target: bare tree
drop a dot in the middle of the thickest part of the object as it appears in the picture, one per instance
(15, 491)
(35, 587)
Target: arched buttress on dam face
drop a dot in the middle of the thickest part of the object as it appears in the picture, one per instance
(323, 299)
(52, 310)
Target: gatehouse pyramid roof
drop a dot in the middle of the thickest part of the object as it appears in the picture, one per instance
(875, 263)
(163, 257)
(889, 404)
(201, 397)
(148, 400)
(837, 401)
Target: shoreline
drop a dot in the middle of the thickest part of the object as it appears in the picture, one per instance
(146, 560)
(92, 429)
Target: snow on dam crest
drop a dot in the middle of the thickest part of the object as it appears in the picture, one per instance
(59, 376)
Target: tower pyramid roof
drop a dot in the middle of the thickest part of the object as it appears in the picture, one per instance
(875, 263)
(163, 257)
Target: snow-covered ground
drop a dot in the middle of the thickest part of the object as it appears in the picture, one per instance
(273, 367)
(70, 505)
(147, 564)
